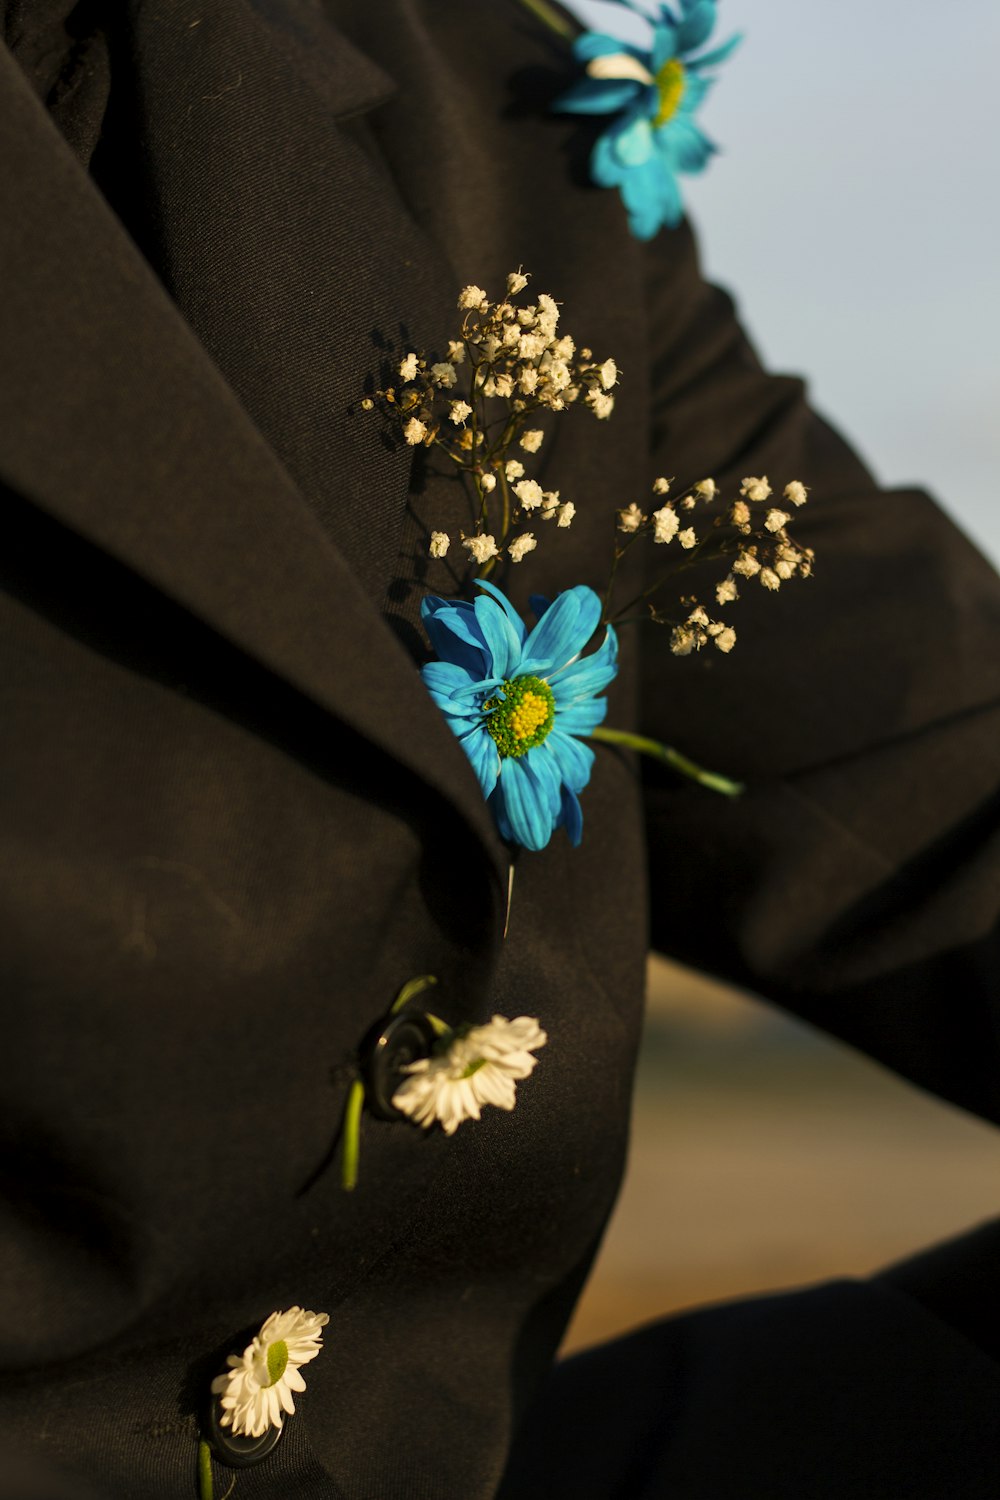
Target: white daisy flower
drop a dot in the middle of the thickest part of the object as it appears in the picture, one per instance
(479, 1066)
(257, 1389)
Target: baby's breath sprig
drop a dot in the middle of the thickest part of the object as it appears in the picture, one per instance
(508, 366)
(750, 534)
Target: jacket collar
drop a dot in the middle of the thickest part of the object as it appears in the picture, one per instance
(117, 422)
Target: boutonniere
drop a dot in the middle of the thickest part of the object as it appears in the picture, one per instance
(652, 95)
(251, 1399)
(524, 698)
(414, 1066)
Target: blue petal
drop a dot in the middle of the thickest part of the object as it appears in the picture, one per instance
(605, 168)
(545, 768)
(664, 45)
(684, 146)
(505, 605)
(442, 679)
(696, 26)
(502, 640)
(564, 629)
(582, 717)
(481, 749)
(452, 630)
(573, 759)
(634, 145)
(598, 96)
(695, 89)
(717, 55)
(526, 804)
(571, 817)
(602, 44)
(652, 198)
(588, 674)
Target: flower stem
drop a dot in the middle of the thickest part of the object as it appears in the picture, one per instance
(351, 1148)
(411, 989)
(550, 17)
(206, 1489)
(671, 757)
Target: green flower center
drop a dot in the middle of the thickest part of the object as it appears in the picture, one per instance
(277, 1361)
(473, 1067)
(670, 87)
(523, 717)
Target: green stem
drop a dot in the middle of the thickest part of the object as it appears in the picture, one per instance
(411, 989)
(671, 757)
(351, 1145)
(550, 17)
(206, 1489)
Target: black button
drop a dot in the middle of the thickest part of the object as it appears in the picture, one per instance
(388, 1049)
(237, 1451)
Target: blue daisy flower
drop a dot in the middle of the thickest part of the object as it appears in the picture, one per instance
(519, 700)
(653, 95)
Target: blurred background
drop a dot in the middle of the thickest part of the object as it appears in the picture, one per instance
(854, 214)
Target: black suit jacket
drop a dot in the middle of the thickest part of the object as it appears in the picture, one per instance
(234, 823)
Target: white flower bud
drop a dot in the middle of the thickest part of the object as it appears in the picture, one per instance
(459, 411)
(408, 367)
(516, 282)
(661, 486)
(688, 538)
(630, 518)
(440, 542)
(520, 546)
(482, 548)
(666, 524)
(473, 297)
(755, 489)
(796, 493)
(414, 432)
(443, 375)
(529, 493)
(706, 488)
(531, 441)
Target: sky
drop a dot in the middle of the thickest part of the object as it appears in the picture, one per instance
(855, 214)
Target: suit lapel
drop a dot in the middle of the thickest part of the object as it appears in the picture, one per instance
(117, 423)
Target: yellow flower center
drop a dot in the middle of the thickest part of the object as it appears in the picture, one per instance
(670, 87)
(522, 717)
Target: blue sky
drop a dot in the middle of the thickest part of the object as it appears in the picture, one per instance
(855, 214)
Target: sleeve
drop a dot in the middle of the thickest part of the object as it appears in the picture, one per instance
(857, 883)
(857, 880)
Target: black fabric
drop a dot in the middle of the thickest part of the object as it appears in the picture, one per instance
(234, 824)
